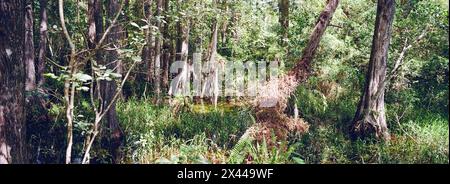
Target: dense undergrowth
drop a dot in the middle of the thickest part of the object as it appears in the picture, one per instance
(155, 135)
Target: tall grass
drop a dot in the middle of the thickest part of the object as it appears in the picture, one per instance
(155, 135)
(424, 139)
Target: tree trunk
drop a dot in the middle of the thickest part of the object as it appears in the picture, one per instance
(273, 97)
(147, 52)
(224, 27)
(94, 34)
(370, 118)
(12, 82)
(184, 28)
(92, 27)
(166, 49)
(302, 70)
(158, 41)
(30, 83)
(213, 85)
(98, 14)
(182, 52)
(283, 6)
(110, 87)
(43, 35)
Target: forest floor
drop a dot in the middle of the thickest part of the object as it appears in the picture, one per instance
(203, 134)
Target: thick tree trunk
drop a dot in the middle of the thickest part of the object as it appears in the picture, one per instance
(283, 6)
(30, 83)
(12, 82)
(94, 33)
(43, 35)
(158, 44)
(110, 87)
(98, 14)
(370, 118)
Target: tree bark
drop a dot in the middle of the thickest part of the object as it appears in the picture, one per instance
(158, 41)
(92, 27)
(370, 118)
(283, 6)
(225, 24)
(212, 86)
(167, 45)
(95, 27)
(110, 87)
(183, 31)
(94, 34)
(30, 83)
(12, 81)
(43, 35)
(147, 52)
(184, 46)
(302, 69)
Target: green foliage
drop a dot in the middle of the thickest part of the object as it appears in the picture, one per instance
(423, 139)
(154, 133)
(251, 152)
(221, 127)
(433, 83)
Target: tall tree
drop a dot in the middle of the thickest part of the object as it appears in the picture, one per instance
(92, 26)
(167, 45)
(270, 107)
(95, 26)
(147, 51)
(212, 87)
(30, 83)
(43, 36)
(158, 43)
(12, 82)
(110, 87)
(183, 31)
(370, 118)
